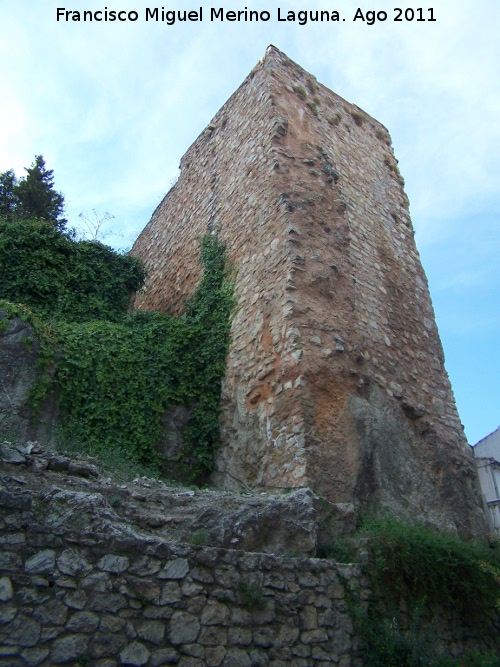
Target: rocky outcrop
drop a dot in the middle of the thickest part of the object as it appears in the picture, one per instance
(72, 495)
(19, 355)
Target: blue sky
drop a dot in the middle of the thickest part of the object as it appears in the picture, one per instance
(113, 106)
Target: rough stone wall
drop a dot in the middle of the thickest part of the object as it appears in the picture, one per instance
(80, 597)
(335, 375)
(19, 371)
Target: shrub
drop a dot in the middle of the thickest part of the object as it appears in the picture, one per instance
(427, 565)
(61, 279)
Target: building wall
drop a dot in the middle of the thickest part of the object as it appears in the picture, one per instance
(335, 374)
(489, 446)
(487, 457)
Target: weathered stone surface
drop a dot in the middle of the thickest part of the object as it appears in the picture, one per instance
(84, 512)
(104, 645)
(83, 621)
(152, 631)
(51, 613)
(114, 564)
(6, 591)
(334, 329)
(59, 463)
(215, 656)
(214, 613)
(68, 648)
(135, 654)
(164, 656)
(184, 628)
(264, 637)
(238, 636)
(194, 650)
(41, 563)
(145, 566)
(34, 656)
(213, 636)
(274, 525)
(75, 599)
(112, 623)
(170, 593)
(138, 588)
(22, 631)
(236, 657)
(82, 469)
(107, 602)
(72, 562)
(7, 613)
(13, 541)
(9, 561)
(97, 581)
(176, 569)
(10, 454)
(18, 357)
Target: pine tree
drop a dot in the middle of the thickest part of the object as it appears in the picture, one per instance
(36, 195)
(8, 197)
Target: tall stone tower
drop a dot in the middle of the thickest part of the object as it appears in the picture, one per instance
(335, 376)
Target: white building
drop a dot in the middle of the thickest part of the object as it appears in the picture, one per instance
(487, 455)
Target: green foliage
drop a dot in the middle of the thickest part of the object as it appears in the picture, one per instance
(385, 644)
(312, 85)
(118, 461)
(312, 106)
(300, 91)
(472, 657)
(200, 538)
(118, 379)
(417, 561)
(335, 119)
(358, 118)
(61, 279)
(8, 198)
(252, 596)
(32, 196)
(335, 548)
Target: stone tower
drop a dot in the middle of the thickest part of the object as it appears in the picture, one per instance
(335, 376)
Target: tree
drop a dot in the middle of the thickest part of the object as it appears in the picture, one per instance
(8, 197)
(36, 197)
(92, 224)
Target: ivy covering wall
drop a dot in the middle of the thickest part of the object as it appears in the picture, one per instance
(118, 379)
(117, 373)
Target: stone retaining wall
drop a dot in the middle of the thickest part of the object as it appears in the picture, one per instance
(77, 598)
(90, 600)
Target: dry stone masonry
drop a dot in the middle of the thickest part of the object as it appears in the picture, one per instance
(83, 582)
(335, 376)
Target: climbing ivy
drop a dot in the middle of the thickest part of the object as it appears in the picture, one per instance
(118, 379)
(117, 374)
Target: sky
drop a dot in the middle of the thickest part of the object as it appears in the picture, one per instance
(113, 105)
